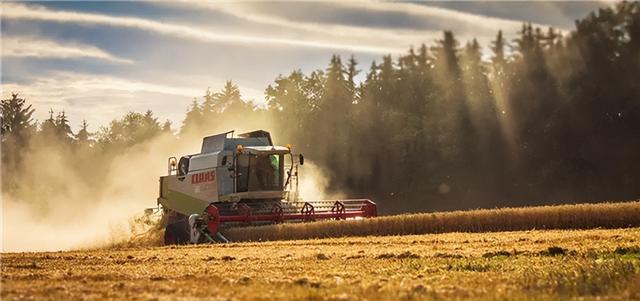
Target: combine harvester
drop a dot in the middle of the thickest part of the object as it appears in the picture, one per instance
(239, 181)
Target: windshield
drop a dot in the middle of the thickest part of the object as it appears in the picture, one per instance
(259, 172)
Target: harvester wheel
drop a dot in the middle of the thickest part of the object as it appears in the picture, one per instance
(176, 234)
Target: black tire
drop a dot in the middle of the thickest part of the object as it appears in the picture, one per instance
(177, 233)
(169, 237)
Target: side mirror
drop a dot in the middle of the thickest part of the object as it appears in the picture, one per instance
(301, 159)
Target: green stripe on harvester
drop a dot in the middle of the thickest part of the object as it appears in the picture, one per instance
(183, 203)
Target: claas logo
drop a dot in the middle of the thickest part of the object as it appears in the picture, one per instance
(202, 177)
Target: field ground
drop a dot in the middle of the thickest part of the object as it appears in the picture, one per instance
(536, 265)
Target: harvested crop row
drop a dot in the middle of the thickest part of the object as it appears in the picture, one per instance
(581, 216)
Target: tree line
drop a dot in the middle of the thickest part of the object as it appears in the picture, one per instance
(544, 118)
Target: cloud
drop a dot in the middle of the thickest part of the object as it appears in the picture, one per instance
(24, 12)
(560, 14)
(76, 83)
(334, 21)
(401, 38)
(472, 22)
(102, 98)
(34, 47)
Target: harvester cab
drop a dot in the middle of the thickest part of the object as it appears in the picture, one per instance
(243, 180)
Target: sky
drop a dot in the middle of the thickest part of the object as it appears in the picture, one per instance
(99, 60)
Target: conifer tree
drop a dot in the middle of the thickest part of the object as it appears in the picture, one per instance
(83, 136)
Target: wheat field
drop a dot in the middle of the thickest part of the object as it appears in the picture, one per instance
(580, 216)
(602, 264)
(532, 253)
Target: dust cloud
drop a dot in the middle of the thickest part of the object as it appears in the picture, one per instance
(314, 184)
(74, 200)
(67, 204)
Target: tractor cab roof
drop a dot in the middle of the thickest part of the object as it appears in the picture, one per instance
(226, 141)
(263, 150)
